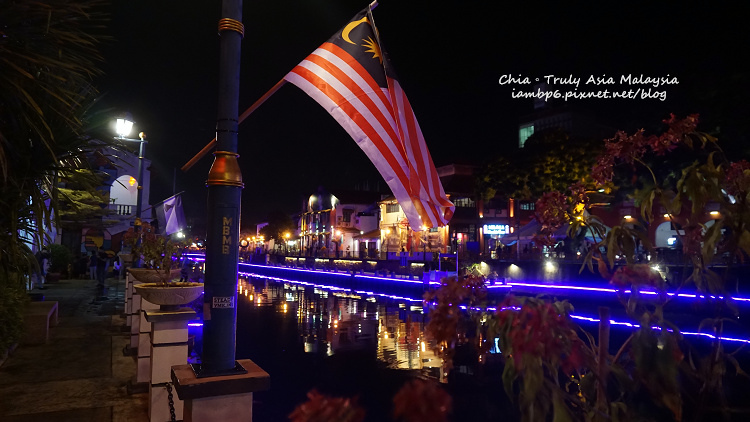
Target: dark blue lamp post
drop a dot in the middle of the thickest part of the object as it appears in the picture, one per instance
(123, 127)
(224, 205)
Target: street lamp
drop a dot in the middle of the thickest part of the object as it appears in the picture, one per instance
(286, 242)
(123, 127)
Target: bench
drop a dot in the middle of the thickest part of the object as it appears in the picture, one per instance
(38, 318)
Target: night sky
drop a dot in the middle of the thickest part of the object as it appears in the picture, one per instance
(162, 68)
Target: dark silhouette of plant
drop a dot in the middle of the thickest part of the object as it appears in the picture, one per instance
(157, 251)
(448, 322)
(655, 351)
(48, 60)
(417, 401)
(558, 371)
(322, 408)
(422, 401)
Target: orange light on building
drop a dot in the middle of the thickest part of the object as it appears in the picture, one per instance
(132, 181)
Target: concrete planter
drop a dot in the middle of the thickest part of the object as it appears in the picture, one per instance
(171, 296)
(148, 275)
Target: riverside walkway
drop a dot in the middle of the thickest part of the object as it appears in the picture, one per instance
(81, 373)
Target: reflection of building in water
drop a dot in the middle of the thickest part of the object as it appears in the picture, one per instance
(330, 322)
(353, 334)
(401, 340)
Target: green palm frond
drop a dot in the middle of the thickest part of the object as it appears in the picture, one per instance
(48, 59)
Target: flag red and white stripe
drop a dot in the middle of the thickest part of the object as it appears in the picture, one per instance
(368, 102)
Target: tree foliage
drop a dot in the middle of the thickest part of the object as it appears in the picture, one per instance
(60, 257)
(699, 175)
(49, 52)
(49, 55)
(549, 160)
(48, 62)
(82, 201)
(279, 223)
(556, 371)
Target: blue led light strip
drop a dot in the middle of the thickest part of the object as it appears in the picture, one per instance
(504, 286)
(323, 286)
(686, 333)
(510, 285)
(557, 287)
(301, 270)
(628, 324)
(572, 316)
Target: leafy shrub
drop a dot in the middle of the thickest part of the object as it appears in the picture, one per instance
(13, 300)
(60, 257)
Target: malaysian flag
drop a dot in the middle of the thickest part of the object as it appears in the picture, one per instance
(350, 76)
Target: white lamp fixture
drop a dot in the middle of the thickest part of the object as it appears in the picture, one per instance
(123, 127)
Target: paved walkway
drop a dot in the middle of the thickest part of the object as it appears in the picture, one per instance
(81, 374)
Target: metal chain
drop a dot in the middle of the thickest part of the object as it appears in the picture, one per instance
(170, 399)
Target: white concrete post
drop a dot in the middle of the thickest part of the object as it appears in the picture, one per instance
(226, 398)
(169, 337)
(135, 324)
(143, 368)
(129, 299)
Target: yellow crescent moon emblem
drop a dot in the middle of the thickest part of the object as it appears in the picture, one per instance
(349, 27)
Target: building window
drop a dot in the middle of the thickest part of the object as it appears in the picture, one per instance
(527, 206)
(523, 134)
(348, 215)
(389, 208)
(464, 202)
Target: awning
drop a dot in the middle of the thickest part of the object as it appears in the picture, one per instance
(531, 229)
(371, 235)
(348, 230)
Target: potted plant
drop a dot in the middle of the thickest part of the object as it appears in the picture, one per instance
(60, 259)
(160, 257)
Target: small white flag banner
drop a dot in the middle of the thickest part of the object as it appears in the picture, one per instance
(170, 215)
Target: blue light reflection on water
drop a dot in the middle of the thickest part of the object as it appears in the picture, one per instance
(327, 320)
(323, 320)
(317, 332)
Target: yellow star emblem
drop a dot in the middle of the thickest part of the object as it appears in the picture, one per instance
(372, 47)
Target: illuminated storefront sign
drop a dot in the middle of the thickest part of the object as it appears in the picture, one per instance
(496, 229)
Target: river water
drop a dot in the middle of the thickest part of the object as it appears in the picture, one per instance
(342, 344)
(325, 322)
